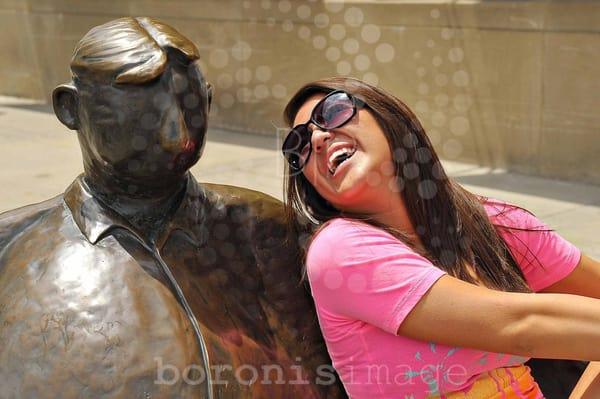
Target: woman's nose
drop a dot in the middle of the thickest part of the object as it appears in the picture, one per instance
(319, 137)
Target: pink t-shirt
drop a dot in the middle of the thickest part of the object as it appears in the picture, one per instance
(365, 282)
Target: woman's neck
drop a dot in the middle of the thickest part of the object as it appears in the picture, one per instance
(395, 215)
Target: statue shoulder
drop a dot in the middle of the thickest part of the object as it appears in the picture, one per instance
(258, 204)
(264, 215)
(17, 220)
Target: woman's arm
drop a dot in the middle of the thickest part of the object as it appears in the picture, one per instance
(457, 313)
(588, 386)
(583, 280)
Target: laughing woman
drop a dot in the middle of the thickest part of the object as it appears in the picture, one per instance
(423, 289)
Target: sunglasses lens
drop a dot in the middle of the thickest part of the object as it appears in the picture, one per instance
(331, 112)
(334, 111)
(296, 147)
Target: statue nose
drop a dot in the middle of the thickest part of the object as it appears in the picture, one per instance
(175, 133)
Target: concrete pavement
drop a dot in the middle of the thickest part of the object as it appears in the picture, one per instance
(39, 158)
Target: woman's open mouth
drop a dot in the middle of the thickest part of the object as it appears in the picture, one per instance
(338, 157)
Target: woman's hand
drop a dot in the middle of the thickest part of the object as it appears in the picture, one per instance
(588, 386)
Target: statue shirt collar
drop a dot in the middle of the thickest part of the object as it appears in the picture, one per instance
(95, 219)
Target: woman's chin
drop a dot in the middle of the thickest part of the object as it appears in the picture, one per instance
(351, 195)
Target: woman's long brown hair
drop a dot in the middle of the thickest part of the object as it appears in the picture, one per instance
(451, 222)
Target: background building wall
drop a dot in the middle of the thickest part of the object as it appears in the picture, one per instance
(511, 84)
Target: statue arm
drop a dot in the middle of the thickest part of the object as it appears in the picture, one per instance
(287, 301)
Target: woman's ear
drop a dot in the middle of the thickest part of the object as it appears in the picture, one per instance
(65, 99)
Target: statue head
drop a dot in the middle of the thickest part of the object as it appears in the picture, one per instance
(138, 100)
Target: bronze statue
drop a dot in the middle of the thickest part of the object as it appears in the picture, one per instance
(139, 282)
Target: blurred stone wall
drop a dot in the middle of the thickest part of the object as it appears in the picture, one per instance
(512, 84)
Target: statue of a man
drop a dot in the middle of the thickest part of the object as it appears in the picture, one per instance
(138, 282)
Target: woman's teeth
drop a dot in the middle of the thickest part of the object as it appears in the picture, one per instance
(338, 157)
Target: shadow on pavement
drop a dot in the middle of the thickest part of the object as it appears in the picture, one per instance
(35, 107)
(584, 194)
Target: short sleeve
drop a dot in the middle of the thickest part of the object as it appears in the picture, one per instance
(360, 272)
(543, 255)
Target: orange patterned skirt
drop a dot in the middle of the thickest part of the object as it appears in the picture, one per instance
(513, 382)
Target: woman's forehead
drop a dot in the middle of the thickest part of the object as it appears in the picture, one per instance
(306, 108)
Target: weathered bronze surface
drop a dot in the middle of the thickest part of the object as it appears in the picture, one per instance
(139, 282)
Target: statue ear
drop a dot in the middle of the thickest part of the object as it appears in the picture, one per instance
(65, 100)
(209, 92)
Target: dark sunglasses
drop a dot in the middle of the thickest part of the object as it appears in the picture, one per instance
(332, 111)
